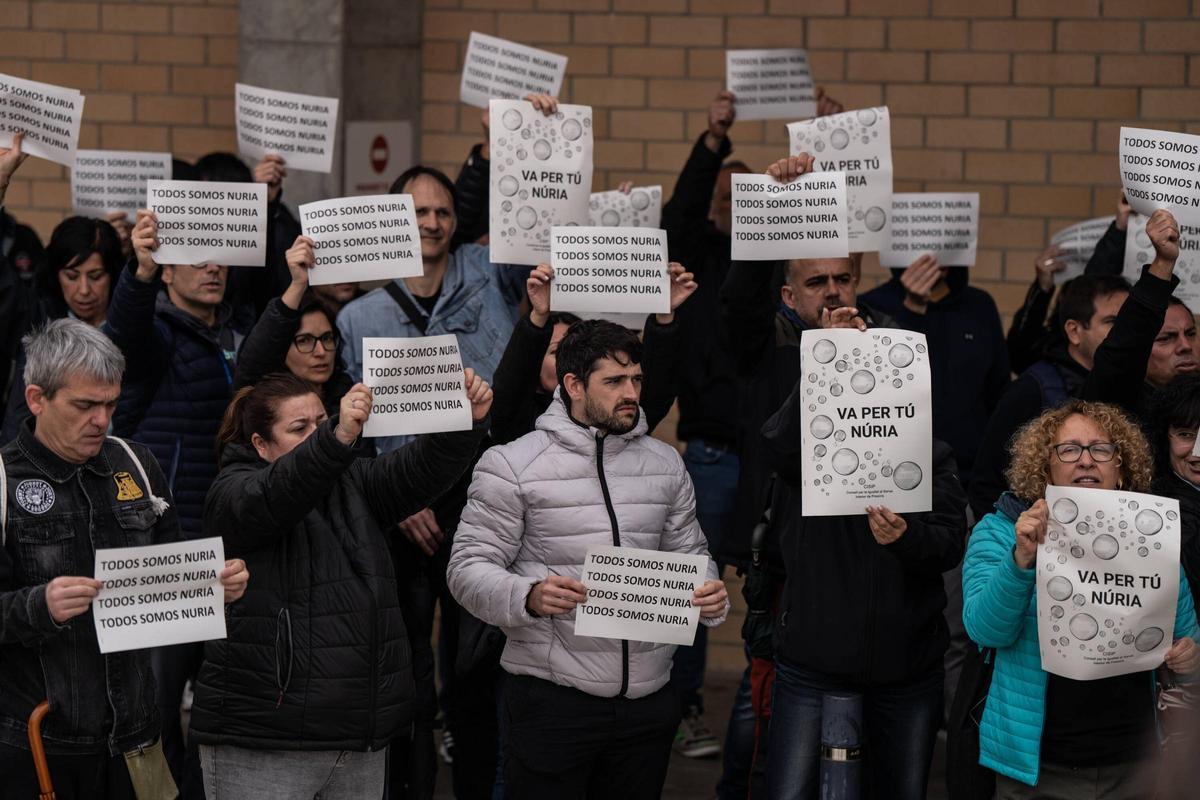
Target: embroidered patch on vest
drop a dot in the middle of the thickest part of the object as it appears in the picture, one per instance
(127, 488)
(35, 496)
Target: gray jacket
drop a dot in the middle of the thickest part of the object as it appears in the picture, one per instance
(535, 507)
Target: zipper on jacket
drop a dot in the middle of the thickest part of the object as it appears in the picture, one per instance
(616, 536)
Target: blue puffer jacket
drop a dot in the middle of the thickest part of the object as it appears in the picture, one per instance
(1000, 611)
(178, 382)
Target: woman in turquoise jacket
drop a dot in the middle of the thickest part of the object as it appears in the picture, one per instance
(1069, 739)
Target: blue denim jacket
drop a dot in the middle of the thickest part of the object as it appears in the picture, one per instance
(59, 513)
(478, 303)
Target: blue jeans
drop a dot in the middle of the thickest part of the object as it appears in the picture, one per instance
(900, 724)
(714, 472)
(231, 773)
(738, 757)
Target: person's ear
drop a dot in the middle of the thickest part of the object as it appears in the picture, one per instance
(787, 296)
(574, 385)
(36, 399)
(168, 274)
(1071, 330)
(260, 446)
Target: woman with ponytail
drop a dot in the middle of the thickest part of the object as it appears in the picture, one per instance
(314, 679)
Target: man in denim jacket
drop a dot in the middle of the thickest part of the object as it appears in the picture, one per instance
(68, 490)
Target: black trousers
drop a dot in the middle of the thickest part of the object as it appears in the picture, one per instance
(567, 743)
(87, 777)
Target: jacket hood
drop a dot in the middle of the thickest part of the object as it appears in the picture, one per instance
(957, 278)
(559, 423)
(1011, 506)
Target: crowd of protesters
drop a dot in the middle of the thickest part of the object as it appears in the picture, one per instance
(380, 589)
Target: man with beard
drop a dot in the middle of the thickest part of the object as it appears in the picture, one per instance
(587, 717)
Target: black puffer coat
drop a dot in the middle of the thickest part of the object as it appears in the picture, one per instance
(317, 657)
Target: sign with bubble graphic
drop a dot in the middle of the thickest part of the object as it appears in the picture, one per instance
(1107, 582)
(541, 177)
(1078, 243)
(858, 143)
(867, 426)
(1139, 251)
(641, 208)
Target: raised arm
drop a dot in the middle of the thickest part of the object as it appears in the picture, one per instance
(130, 321)
(266, 347)
(517, 377)
(685, 216)
(1109, 255)
(663, 350)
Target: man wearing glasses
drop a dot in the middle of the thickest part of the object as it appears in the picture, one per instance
(179, 342)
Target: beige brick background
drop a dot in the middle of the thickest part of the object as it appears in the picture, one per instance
(1020, 100)
(157, 76)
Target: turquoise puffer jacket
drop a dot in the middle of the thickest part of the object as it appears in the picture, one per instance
(1000, 611)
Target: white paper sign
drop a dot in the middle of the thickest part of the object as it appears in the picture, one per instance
(610, 269)
(48, 115)
(416, 386)
(1078, 244)
(1161, 169)
(868, 428)
(1139, 251)
(770, 84)
(640, 595)
(1107, 582)
(159, 595)
(858, 143)
(641, 208)
(541, 176)
(497, 69)
(802, 219)
(201, 222)
(362, 239)
(943, 225)
(107, 181)
(300, 127)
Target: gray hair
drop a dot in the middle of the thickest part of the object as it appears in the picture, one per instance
(67, 346)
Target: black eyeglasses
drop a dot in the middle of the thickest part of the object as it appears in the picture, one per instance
(306, 343)
(1069, 452)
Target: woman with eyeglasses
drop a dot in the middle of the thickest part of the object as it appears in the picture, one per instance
(297, 333)
(315, 678)
(1043, 735)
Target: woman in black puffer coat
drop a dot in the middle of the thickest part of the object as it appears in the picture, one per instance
(316, 671)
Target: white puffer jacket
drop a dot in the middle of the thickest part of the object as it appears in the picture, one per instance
(535, 507)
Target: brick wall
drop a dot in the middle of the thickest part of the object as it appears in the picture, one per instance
(1020, 100)
(157, 76)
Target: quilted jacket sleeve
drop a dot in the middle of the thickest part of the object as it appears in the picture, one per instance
(486, 544)
(996, 591)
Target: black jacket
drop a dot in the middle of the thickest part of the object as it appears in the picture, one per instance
(968, 358)
(98, 703)
(708, 384)
(317, 657)
(854, 610)
(472, 198)
(1023, 400)
(1119, 368)
(1175, 487)
(520, 399)
(1109, 256)
(766, 350)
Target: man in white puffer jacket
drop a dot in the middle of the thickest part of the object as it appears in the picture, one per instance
(586, 717)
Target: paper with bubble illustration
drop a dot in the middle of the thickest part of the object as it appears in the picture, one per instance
(1107, 582)
(941, 224)
(1078, 243)
(771, 84)
(867, 426)
(858, 143)
(641, 208)
(1139, 251)
(541, 176)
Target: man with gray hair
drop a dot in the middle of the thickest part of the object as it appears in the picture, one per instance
(67, 489)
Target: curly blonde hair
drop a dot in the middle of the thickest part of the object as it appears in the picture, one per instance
(1029, 471)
